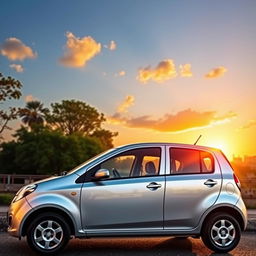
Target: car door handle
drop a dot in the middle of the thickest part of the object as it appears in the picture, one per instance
(210, 183)
(153, 186)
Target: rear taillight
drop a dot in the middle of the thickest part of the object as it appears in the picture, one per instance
(237, 181)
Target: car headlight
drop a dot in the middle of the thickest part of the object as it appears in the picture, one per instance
(24, 192)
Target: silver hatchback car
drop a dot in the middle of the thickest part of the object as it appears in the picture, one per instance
(147, 189)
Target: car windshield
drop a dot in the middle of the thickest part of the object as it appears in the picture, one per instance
(89, 161)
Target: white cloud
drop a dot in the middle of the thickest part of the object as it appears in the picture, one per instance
(17, 67)
(112, 45)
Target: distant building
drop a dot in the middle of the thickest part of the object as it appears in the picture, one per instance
(245, 168)
(250, 161)
(237, 160)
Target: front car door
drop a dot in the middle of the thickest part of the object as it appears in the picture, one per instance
(193, 183)
(131, 198)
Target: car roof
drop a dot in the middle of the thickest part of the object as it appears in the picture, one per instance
(178, 145)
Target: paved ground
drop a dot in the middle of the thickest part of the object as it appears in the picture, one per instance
(132, 246)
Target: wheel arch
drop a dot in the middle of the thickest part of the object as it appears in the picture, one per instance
(50, 209)
(225, 209)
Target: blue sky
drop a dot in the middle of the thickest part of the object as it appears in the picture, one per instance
(204, 34)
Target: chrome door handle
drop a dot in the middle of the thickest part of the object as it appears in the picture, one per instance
(210, 183)
(153, 186)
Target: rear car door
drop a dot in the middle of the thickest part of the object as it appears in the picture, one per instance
(193, 185)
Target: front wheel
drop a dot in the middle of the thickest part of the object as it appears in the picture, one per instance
(48, 233)
(221, 233)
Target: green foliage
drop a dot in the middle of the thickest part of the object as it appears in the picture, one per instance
(33, 114)
(72, 135)
(7, 157)
(46, 152)
(105, 137)
(76, 117)
(9, 89)
(6, 198)
(72, 116)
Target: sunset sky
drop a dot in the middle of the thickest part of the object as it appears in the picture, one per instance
(159, 70)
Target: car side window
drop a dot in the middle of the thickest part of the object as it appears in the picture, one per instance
(150, 165)
(184, 161)
(133, 163)
(119, 166)
(189, 161)
(207, 162)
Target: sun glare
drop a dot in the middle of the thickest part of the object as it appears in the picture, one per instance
(222, 145)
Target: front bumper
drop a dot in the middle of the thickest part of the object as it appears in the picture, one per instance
(17, 211)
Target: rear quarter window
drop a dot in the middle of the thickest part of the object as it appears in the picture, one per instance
(190, 161)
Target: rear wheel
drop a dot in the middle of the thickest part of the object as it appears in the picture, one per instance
(48, 233)
(221, 232)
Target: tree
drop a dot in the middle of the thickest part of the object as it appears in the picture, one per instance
(46, 151)
(9, 89)
(71, 116)
(77, 117)
(105, 137)
(34, 113)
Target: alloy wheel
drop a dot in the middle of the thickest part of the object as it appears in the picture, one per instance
(223, 233)
(48, 234)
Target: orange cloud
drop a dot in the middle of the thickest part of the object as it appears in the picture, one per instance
(129, 101)
(165, 70)
(78, 51)
(17, 67)
(250, 124)
(120, 73)
(29, 98)
(181, 121)
(216, 72)
(185, 70)
(14, 49)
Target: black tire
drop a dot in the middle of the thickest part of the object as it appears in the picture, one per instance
(48, 230)
(221, 232)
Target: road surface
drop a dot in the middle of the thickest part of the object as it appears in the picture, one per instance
(162, 246)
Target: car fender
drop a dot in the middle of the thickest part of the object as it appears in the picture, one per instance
(55, 202)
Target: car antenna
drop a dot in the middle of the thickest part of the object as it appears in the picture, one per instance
(198, 139)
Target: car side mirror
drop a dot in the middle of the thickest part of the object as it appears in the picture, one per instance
(101, 174)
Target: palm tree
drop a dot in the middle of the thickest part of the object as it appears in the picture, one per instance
(33, 114)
